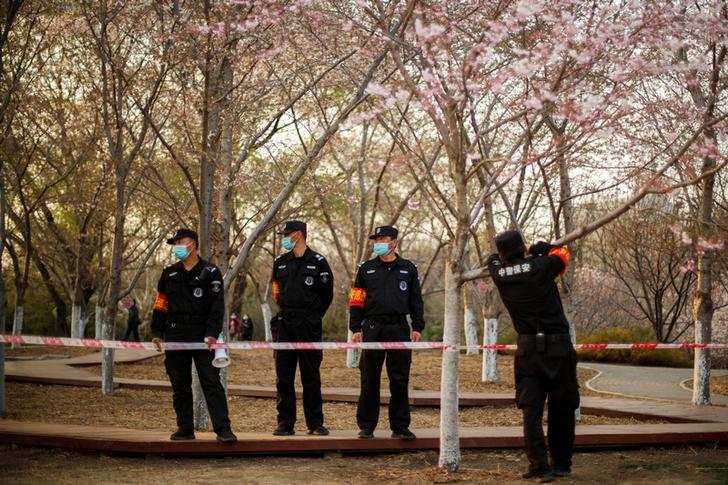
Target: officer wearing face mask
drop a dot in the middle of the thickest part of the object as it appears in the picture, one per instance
(386, 290)
(303, 287)
(189, 307)
(545, 362)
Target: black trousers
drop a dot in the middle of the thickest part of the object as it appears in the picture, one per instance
(309, 362)
(179, 369)
(398, 364)
(547, 375)
(298, 327)
(131, 333)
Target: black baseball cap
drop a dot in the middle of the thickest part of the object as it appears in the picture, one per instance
(183, 233)
(293, 226)
(510, 244)
(385, 231)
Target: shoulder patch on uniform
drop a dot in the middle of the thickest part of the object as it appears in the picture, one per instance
(212, 268)
(319, 257)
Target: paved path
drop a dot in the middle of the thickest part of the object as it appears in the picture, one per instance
(665, 383)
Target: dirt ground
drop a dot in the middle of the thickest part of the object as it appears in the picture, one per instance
(647, 466)
(147, 409)
(256, 367)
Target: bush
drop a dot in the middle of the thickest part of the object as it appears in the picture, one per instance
(659, 357)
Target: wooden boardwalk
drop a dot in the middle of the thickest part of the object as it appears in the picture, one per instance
(132, 441)
(688, 424)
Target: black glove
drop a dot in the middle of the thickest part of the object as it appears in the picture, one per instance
(541, 248)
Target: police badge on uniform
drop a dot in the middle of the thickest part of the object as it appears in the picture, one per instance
(197, 292)
(403, 285)
(309, 280)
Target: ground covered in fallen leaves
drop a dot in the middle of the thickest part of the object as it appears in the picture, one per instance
(257, 367)
(654, 465)
(148, 409)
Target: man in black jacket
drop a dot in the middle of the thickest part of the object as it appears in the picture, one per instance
(303, 287)
(189, 307)
(386, 290)
(545, 362)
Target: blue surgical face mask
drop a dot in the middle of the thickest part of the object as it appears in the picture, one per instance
(287, 243)
(180, 251)
(381, 248)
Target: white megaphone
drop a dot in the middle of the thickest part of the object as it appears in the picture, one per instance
(222, 358)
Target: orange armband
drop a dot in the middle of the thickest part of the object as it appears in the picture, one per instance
(563, 253)
(160, 303)
(357, 297)
(276, 290)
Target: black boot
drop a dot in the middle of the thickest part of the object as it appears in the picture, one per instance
(282, 430)
(182, 435)
(319, 431)
(404, 434)
(366, 434)
(226, 436)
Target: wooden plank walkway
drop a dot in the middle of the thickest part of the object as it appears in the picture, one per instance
(131, 441)
(47, 373)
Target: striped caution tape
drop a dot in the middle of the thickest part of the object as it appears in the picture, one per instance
(118, 344)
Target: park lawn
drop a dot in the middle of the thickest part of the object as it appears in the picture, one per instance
(257, 367)
(645, 466)
(152, 409)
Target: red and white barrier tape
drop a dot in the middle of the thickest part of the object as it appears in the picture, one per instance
(118, 344)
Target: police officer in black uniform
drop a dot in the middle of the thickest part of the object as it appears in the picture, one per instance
(545, 362)
(386, 290)
(189, 308)
(303, 287)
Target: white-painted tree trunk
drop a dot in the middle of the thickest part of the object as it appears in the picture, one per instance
(352, 355)
(449, 432)
(471, 328)
(267, 317)
(107, 356)
(17, 323)
(701, 366)
(202, 417)
(490, 336)
(98, 322)
(79, 319)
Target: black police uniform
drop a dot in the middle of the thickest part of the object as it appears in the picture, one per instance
(382, 296)
(545, 365)
(303, 288)
(190, 307)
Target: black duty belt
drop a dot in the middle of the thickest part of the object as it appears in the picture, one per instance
(550, 337)
(188, 319)
(386, 319)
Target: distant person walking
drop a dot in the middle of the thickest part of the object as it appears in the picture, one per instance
(133, 321)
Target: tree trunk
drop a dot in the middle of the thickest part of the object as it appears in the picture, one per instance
(703, 301)
(267, 316)
(471, 322)
(449, 432)
(17, 322)
(490, 336)
(117, 256)
(352, 355)
(79, 320)
(98, 322)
